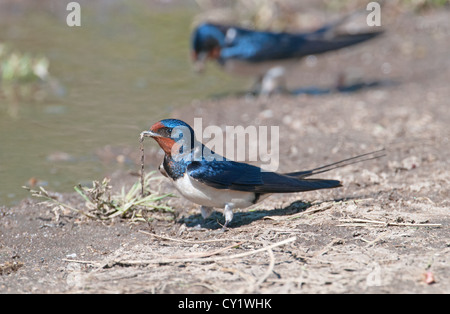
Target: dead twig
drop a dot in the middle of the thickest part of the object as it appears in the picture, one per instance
(197, 259)
(327, 248)
(207, 254)
(202, 258)
(298, 215)
(269, 269)
(355, 222)
(199, 241)
(80, 261)
(188, 241)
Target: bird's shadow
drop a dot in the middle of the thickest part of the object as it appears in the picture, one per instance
(318, 91)
(242, 218)
(216, 220)
(349, 88)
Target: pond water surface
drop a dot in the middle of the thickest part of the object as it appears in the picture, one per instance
(124, 68)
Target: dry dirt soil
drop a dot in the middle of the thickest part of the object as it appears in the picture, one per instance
(385, 231)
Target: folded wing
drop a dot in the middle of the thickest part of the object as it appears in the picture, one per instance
(243, 177)
(256, 46)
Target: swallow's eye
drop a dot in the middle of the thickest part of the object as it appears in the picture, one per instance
(210, 44)
(166, 132)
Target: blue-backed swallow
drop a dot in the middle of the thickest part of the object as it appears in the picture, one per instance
(223, 183)
(265, 55)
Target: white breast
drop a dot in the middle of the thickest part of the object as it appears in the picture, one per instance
(208, 196)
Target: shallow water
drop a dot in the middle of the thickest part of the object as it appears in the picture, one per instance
(123, 69)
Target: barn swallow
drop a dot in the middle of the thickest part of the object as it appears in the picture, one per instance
(262, 54)
(223, 183)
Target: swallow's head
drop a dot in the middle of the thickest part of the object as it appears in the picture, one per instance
(173, 136)
(207, 41)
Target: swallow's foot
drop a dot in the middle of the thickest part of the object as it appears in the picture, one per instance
(228, 213)
(224, 227)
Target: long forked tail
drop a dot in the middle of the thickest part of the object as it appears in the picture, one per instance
(345, 162)
(331, 27)
(328, 38)
(318, 43)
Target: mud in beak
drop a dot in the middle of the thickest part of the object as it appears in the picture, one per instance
(148, 134)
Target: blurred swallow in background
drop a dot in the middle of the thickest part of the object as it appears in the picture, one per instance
(265, 55)
(223, 183)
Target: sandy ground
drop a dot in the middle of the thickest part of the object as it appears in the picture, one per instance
(385, 231)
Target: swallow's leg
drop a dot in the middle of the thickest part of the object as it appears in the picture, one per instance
(257, 85)
(228, 213)
(206, 211)
(273, 81)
